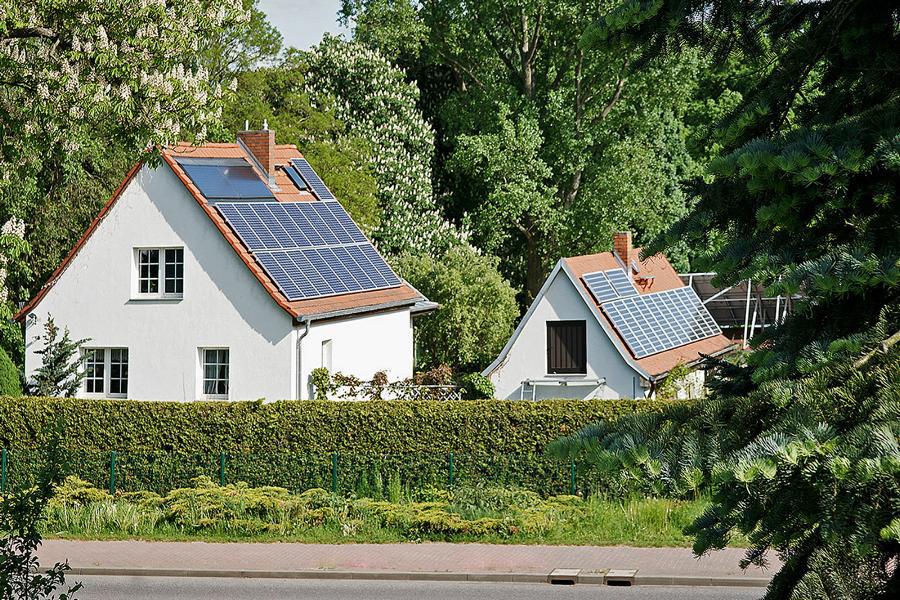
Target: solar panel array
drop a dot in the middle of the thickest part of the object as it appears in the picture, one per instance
(287, 225)
(600, 286)
(309, 249)
(609, 285)
(226, 181)
(312, 179)
(652, 323)
(621, 282)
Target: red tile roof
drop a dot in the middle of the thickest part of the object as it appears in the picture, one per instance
(656, 275)
(358, 301)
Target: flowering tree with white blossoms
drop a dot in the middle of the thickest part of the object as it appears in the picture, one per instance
(379, 105)
(78, 76)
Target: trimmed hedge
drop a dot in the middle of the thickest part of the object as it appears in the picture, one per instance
(161, 445)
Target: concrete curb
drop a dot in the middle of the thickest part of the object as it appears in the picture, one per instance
(590, 578)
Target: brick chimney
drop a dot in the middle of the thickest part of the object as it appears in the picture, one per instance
(622, 247)
(261, 144)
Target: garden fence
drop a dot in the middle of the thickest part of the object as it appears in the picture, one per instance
(349, 474)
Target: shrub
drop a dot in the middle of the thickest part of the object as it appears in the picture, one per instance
(478, 308)
(74, 491)
(10, 382)
(476, 387)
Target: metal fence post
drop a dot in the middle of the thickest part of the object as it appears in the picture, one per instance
(451, 469)
(572, 479)
(3, 476)
(222, 470)
(112, 473)
(334, 472)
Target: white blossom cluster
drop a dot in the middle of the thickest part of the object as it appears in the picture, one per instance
(379, 105)
(13, 228)
(70, 67)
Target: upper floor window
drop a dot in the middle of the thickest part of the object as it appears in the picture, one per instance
(106, 372)
(566, 347)
(160, 271)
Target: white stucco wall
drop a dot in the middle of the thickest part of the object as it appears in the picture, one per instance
(527, 358)
(223, 303)
(360, 346)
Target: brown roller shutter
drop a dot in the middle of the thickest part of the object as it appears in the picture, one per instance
(566, 347)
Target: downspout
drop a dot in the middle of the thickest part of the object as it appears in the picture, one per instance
(300, 361)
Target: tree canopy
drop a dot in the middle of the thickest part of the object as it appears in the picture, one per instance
(546, 147)
(799, 442)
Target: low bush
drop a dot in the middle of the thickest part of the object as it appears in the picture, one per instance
(206, 510)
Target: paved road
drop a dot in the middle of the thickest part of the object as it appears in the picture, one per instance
(197, 588)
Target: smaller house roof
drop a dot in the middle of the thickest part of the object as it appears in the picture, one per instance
(656, 275)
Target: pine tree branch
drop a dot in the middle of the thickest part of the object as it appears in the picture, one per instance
(883, 347)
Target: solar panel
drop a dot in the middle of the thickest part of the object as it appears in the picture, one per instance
(226, 181)
(312, 179)
(621, 282)
(309, 249)
(600, 286)
(294, 175)
(652, 323)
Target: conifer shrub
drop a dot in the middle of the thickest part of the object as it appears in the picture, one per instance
(10, 382)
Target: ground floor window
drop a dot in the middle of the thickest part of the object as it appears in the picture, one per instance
(215, 373)
(106, 371)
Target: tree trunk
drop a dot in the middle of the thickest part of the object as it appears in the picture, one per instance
(534, 272)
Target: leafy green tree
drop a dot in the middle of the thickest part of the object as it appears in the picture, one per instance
(343, 160)
(377, 103)
(477, 313)
(601, 131)
(60, 373)
(799, 442)
(249, 44)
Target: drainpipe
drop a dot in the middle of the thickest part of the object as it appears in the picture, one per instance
(299, 360)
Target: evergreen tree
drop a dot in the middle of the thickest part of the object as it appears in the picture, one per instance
(799, 441)
(60, 373)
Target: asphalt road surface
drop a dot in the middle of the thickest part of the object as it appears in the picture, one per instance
(216, 588)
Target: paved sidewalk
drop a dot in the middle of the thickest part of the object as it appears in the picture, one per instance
(408, 558)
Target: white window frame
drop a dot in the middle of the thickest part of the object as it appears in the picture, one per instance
(201, 355)
(160, 294)
(107, 371)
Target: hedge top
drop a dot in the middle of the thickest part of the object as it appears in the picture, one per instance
(367, 428)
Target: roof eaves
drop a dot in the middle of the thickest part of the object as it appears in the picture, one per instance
(700, 358)
(346, 312)
(32, 304)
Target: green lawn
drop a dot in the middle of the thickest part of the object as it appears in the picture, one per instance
(490, 515)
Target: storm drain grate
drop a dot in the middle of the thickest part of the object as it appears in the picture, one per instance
(563, 576)
(620, 577)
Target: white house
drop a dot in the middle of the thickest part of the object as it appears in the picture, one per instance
(606, 325)
(228, 271)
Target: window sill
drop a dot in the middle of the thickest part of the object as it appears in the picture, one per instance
(566, 376)
(157, 298)
(101, 396)
(213, 397)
